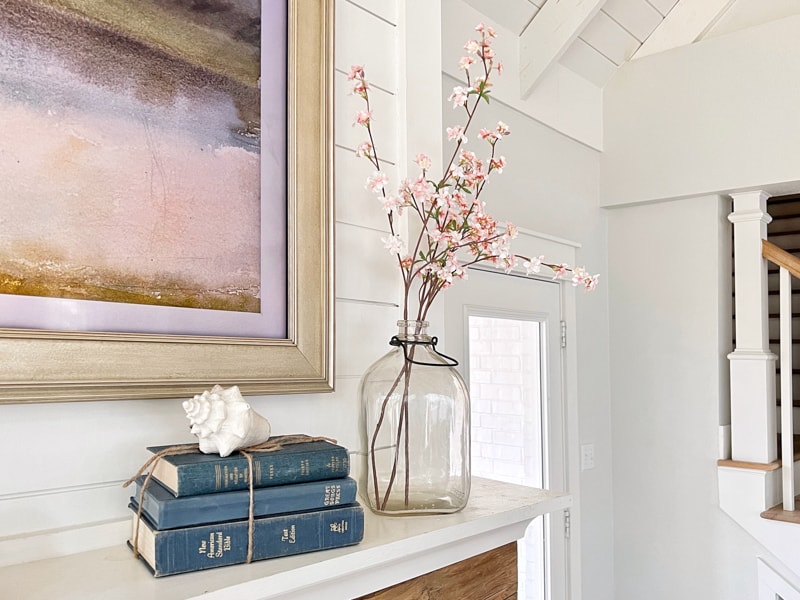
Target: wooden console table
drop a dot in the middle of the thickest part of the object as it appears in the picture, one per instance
(394, 550)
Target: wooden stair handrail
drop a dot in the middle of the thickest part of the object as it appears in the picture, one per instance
(780, 257)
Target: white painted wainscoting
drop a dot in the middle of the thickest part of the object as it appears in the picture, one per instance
(64, 463)
(394, 549)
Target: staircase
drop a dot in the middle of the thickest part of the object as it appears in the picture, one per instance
(784, 232)
(753, 483)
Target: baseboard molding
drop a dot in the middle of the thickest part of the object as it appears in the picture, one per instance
(15, 550)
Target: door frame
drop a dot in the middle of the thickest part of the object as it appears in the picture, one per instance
(553, 410)
(557, 250)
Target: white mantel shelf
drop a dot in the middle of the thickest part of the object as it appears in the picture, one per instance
(394, 549)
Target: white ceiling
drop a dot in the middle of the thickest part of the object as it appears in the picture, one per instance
(610, 32)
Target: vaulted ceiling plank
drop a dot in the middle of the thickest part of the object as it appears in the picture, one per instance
(514, 15)
(685, 24)
(636, 16)
(662, 6)
(549, 35)
(587, 62)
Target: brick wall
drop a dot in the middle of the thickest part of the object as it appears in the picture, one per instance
(505, 390)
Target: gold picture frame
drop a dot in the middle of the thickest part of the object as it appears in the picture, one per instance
(58, 366)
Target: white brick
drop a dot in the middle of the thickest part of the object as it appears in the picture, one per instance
(504, 469)
(502, 424)
(511, 454)
(479, 375)
(479, 435)
(508, 377)
(480, 348)
(510, 347)
(489, 391)
(481, 406)
(510, 393)
(508, 438)
(482, 467)
(500, 362)
(507, 333)
(516, 409)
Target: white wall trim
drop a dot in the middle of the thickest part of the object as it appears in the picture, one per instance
(548, 237)
(772, 585)
(20, 549)
(725, 442)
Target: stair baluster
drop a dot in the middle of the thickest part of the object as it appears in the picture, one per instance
(787, 417)
(789, 267)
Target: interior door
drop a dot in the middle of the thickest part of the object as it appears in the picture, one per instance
(505, 332)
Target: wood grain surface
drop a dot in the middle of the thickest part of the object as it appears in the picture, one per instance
(488, 576)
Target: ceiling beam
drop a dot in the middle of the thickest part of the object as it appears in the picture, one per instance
(548, 36)
(513, 15)
(685, 24)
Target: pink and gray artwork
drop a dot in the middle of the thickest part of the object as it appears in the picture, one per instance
(130, 151)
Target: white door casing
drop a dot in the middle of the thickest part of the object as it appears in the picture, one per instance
(508, 296)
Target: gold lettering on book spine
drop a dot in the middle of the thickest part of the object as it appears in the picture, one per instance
(217, 476)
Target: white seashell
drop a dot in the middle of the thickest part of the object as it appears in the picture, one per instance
(224, 422)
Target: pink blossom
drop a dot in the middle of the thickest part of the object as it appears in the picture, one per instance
(533, 265)
(482, 28)
(472, 46)
(363, 117)
(486, 52)
(393, 203)
(364, 150)
(423, 161)
(482, 84)
(377, 181)
(455, 267)
(394, 244)
(356, 72)
(487, 134)
(579, 276)
(560, 270)
(459, 96)
(453, 227)
(465, 62)
(445, 275)
(497, 164)
(456, 133)
(439, 199)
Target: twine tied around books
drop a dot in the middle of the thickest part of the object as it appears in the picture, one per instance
(271, 445)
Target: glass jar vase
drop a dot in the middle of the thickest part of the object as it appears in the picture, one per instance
(416, 428)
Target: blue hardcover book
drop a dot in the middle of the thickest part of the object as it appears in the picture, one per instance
(193, 474)
(188, 549)
(165, 511)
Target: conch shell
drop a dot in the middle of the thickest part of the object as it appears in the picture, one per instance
(224, 422)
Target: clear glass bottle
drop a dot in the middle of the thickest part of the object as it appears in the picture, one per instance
(416, 428)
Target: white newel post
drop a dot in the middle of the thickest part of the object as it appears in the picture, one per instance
(753, 405)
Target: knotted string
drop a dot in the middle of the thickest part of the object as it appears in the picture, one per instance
(271, 445)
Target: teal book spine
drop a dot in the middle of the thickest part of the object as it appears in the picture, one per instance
(193, 474)
(165, 511)
(184, 550)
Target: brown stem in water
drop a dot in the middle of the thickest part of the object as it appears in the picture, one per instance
(375, 436)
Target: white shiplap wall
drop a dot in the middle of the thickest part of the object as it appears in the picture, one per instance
(62, 464)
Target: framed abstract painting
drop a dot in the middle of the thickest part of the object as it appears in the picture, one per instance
(166, 207)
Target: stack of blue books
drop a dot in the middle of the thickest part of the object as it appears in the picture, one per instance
(194, 511)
